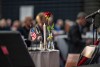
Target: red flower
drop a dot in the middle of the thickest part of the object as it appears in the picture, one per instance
(47, 14)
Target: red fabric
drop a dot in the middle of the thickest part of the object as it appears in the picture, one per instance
(4, 50)
(96, 42)
(84, 59)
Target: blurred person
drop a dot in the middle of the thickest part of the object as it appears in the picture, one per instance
(27, 25)
(9, 22)
(16, 25)
(59, 27)
(41, 19)
(75, 32)
(3, 25)
(68, 24)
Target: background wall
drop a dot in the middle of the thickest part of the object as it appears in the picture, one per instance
(90, 6)
(0, 8)
(64, 9)
(60, 8)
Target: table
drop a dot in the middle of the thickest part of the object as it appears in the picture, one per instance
(48, 58)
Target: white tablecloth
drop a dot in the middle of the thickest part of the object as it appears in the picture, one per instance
(45, 58)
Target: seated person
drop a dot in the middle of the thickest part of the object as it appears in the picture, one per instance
(59, 27)
(28, 23)
(3, 25)
(38, 29)
(16, 25)
(26, 27)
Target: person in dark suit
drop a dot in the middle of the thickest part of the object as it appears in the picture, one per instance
(76, 42)
(26, 28)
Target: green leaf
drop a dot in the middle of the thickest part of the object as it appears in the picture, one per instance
(48, 28)
(52, 27)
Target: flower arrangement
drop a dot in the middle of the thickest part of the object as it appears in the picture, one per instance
(50, 27)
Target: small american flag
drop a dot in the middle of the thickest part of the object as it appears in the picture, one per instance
(33, 34)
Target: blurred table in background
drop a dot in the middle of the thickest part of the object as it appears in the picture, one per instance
(48, 58)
